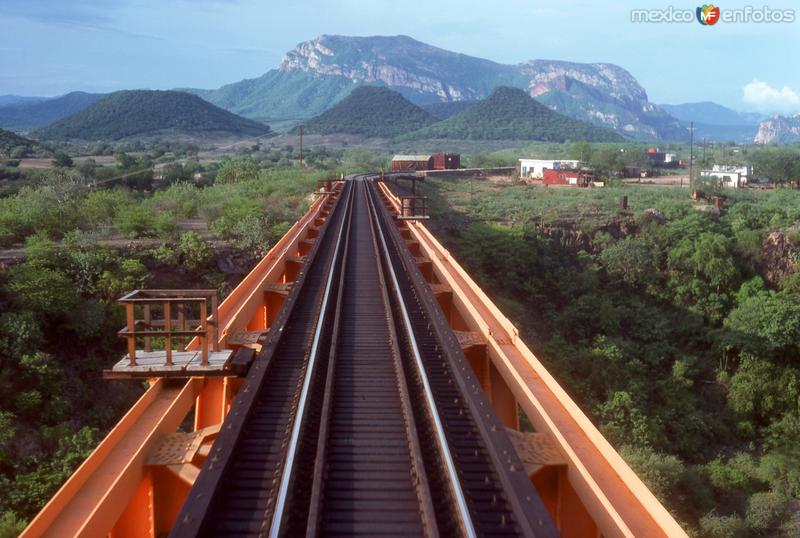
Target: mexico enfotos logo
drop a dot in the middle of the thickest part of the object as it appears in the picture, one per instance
(710, 15)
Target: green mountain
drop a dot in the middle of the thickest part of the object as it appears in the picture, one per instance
(12, 145)
(710, 113)
(511, 114)
(716, 122)
(11, 99)
(446, 109)
(318, 73)
(145, 113)
(26, 115)
(371, 111)
(279, 95)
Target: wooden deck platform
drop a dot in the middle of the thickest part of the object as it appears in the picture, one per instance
(185, 364)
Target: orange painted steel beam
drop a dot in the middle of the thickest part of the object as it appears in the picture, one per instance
(113, 487)
(95, 496)
(614, 496)
(238, 308)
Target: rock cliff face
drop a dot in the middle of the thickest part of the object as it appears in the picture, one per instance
(401, 63)
(779, 130)
(329, 66)
(616, 83)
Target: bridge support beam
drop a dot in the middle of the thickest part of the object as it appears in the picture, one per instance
(614, 498)
(118, 491)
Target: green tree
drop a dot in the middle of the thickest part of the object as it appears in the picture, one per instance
(634, 261)
(236, 170)
(766, 324)
(62, 160)
(126, 162)
(194, 250)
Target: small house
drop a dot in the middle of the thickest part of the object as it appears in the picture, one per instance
(534, 168)
(734, 177)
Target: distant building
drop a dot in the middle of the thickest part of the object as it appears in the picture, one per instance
(576, 178)
(631, 172)
(412, 162)
(661, 159)
(534, 168)
(734, 177)
(446, 161)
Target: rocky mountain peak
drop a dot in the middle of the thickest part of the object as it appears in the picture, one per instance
(325, 69)
(613, 80)
(779, 130)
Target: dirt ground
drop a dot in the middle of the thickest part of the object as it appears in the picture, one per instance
(664, 181)
(39, 164)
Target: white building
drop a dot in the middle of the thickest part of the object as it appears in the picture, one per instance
(731, 176)
(534, 168)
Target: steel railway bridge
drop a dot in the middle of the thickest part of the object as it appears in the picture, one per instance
(356, 382)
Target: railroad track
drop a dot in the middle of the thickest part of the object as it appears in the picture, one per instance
(359, 416)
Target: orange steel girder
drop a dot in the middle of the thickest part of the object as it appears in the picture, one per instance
(596, 492)
(115, 492)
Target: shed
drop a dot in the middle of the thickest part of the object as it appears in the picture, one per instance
(446, 161)
(576, 178)
(412, 162)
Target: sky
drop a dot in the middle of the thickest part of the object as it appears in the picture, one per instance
(51, 47)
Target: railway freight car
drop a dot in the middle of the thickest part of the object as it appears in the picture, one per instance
(412, 162)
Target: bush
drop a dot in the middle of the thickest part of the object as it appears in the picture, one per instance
(194, 251)
(134, 221)
(765, 511)
(715, 526)
(11, 526)
(165, 225)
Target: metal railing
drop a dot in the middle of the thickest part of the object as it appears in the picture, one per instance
(413, 208)
(169, 314)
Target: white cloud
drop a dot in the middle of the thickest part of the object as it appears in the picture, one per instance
(768, 99)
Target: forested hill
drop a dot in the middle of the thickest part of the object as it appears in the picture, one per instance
(447, 109)
(371, 111)
(13, 145)
(142, 113)
(511, 114)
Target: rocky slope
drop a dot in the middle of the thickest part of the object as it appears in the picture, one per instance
(779, 130)
(318, 73)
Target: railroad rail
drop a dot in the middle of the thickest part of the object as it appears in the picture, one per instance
(356, 418)
(384, 398)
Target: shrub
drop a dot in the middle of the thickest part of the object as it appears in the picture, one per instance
(716, 526)
(134, 221)
(193, 250)
(165, 225)
(11, 526)
(765, 511)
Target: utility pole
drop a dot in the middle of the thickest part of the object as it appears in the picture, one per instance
(691, 152)
(301, 146)
(704, 149)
